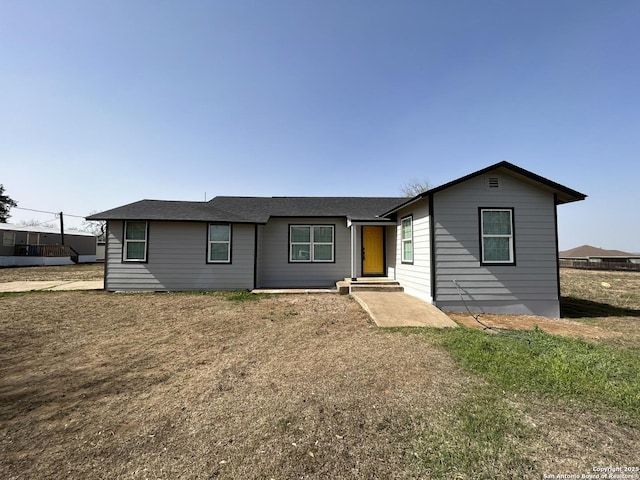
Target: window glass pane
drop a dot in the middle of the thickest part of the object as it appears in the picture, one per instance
(300, 234)
(323, 234)
(407, 251)
(496, 222)
(300, 252)
(323, 252)
(9, 239)
(135, 250)
(406, 228)
(136, 230)
(219, 233)
(219, 252)
(496, 249)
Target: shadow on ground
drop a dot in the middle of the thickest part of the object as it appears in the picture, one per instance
(571, 307)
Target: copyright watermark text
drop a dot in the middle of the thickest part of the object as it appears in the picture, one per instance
(599, 473)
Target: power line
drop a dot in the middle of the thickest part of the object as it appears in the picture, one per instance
(45, 211)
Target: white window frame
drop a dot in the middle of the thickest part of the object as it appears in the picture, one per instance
(218, 242)
(312, 244)
(510, 236)
(9, 239)
(127, 241)
(404, 240)
(30, 235)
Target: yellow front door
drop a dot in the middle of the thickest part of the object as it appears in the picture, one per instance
(373, 250)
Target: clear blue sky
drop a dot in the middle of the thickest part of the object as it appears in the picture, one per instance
(103, 103)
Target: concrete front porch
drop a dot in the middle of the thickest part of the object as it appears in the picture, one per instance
(368, 284)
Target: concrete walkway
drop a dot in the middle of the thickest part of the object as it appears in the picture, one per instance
(394, 309)
(57, 285)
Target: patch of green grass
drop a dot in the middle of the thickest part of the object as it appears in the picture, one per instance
(11, 294)
(482, 438)
(46, 292)
(484, 435)
(551, 366)
(232, 296)
(241, 296)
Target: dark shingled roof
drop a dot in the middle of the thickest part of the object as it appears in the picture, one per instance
(259, 209)
(168, 210)
(253, 209)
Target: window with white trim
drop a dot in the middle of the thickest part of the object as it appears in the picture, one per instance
(219, 250)
(8, 239)
(406, 237)
(135, 241)
(496, 230)
(311, 243)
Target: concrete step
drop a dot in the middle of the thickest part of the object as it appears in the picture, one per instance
(372, 281)
(375, 288)
(368, 284)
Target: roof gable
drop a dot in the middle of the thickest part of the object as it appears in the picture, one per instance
(564, 194)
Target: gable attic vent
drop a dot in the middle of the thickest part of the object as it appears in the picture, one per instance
(493, 183)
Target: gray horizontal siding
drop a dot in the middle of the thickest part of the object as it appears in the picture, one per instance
(391, 246)
(274, 269)
(529, 287)
(415, 277)
(177, 254)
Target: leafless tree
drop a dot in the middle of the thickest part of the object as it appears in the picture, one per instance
(37, 223)
(415, 187)
(98, 228)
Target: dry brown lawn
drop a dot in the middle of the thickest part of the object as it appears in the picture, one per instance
(619, 289)
(98, 385)
(136, 386)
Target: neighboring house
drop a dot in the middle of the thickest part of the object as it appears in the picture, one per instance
(493, 231)
(594, 257)
(26, 245)
(101, 247)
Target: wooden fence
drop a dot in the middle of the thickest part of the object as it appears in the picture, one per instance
(581, 264)
(42, 251)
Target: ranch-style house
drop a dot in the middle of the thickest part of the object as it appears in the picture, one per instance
(493, 231)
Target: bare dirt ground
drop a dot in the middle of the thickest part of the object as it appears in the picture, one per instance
(556, 326)
(600, 305)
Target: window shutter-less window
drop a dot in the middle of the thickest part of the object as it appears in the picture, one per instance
(497, 236)
(406, 236)
(311, 243)
(135, 241)
(219, 243)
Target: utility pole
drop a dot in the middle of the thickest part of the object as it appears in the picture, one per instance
(61, 228)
